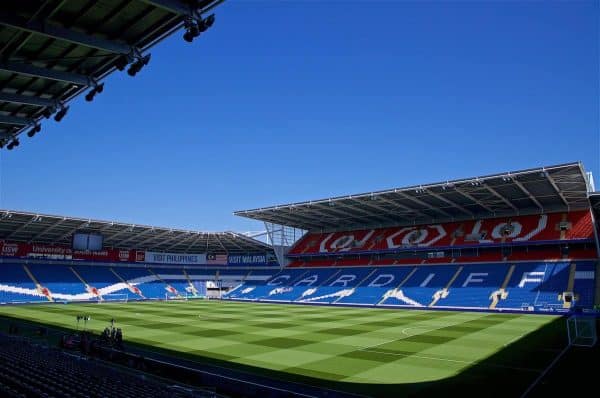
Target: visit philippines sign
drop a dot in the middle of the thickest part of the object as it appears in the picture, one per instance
(174, 258)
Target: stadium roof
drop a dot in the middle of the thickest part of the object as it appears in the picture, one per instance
(16, 226)
(545, 189)
(53, 50)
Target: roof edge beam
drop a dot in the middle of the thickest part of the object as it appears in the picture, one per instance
(58, 32)
(177, 6)
(51, 74)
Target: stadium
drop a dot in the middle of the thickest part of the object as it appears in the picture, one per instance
(480, 286)
(383, 293)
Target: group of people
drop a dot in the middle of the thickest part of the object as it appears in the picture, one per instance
(113, 336)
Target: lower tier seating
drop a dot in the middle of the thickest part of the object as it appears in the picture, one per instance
(40, 282)
(530, 286)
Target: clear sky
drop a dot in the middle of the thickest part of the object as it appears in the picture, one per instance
(285, 101)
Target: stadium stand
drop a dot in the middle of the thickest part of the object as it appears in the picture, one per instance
(16, 286)
(531, 286)
(475, 285)
(29, 370)
(442, 246)
(175, 281)
(83, 282)
(59, 280)
(481, 233)
(526, 259)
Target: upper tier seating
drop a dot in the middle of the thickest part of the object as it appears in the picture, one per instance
(520, 229)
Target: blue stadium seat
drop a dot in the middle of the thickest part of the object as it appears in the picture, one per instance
(268, 290)
(584, 286)
(335, 285)
(532, 285)
(150, 286)
(474, 286)
(373, 288)
(536, 285)
(59, 279)
(16, 286)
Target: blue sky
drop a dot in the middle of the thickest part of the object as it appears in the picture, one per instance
(284, 101)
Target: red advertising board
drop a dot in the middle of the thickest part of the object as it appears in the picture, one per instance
(56, 252)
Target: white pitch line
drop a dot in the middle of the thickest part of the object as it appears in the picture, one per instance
(376, 345)
(418, 327)
(403, 331)
(399, 354)
(513, 340)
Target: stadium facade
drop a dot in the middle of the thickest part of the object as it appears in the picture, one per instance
(520, 241)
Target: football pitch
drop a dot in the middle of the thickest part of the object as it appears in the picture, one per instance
(363, 350)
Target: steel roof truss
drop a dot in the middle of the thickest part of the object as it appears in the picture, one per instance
(47, 229)
(45, 73)
(473, 198)
(500, 196)
(71, 232)
(529, 195)
(402, 206)
(58, 32)
(16, 120)
(137, 236)
(427, 205)
(124, 229)
(450, 202)
(27, 100)
(178, 240)
(34, 218)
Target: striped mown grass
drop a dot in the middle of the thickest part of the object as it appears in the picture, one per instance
(349, 348)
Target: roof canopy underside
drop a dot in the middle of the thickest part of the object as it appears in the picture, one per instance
(533, 191)
(46, 229)
(53, 50)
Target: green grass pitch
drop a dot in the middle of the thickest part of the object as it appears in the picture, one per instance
(364, 350)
